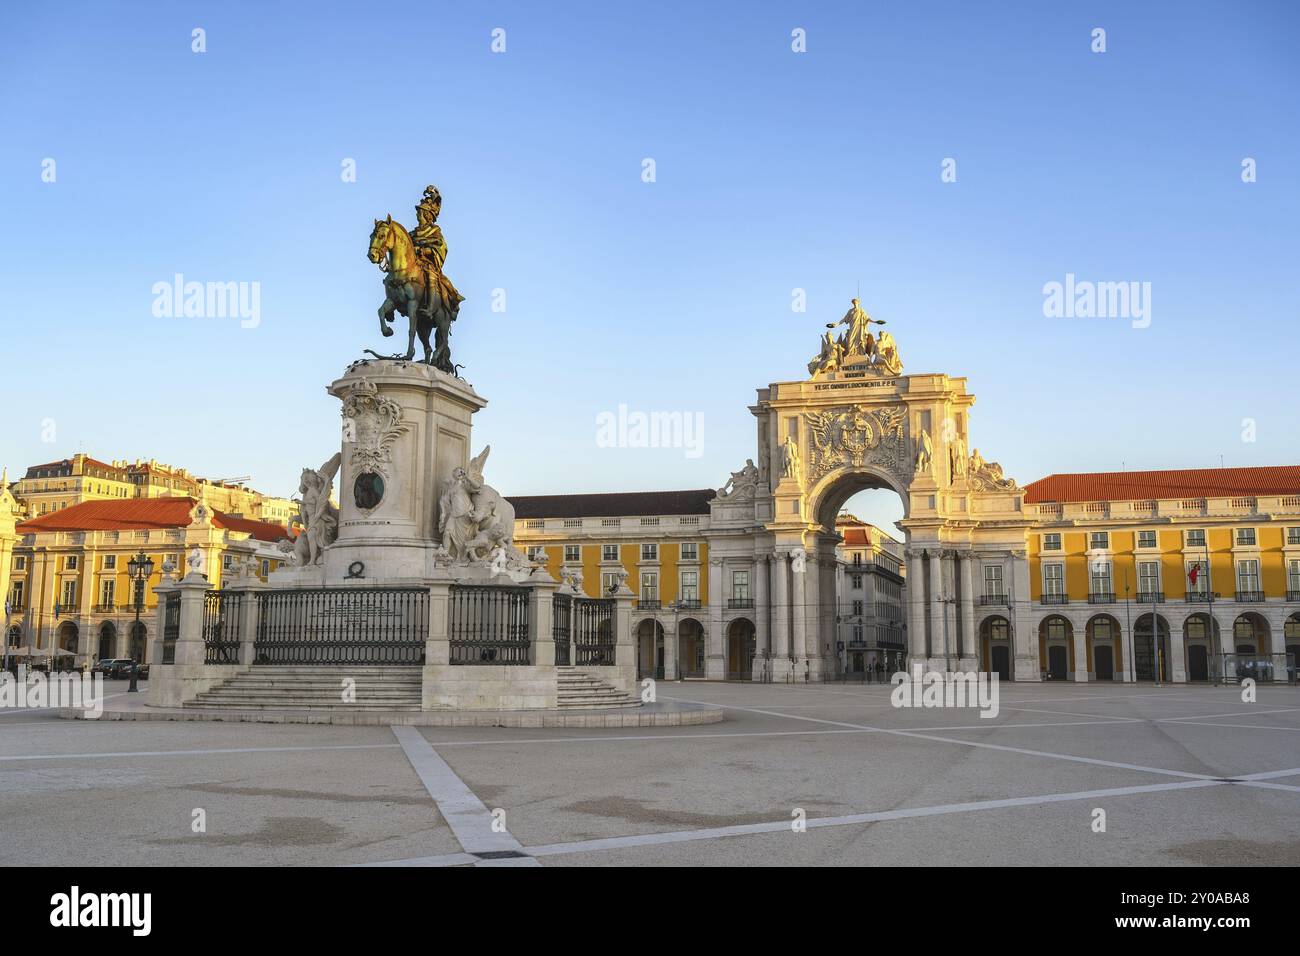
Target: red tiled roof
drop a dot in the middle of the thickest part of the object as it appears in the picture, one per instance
(1185, 483)
(142, 514)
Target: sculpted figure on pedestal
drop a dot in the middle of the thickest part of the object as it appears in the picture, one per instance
(318, 517)
(474, 520)
(742, 483)
(987, 475)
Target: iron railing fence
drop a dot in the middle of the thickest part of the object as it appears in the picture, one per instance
(593, 631)
(488, 624)
(333, 626)
(561, 625)
(221, 611)
(171, 627)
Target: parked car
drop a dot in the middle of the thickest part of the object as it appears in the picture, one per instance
(119, 668)
(104, 666)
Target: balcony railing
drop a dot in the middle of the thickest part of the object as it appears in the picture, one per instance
(1293, 597)
(1249, 597)
(1055, 599)
(104, 608)
(648, 604)
(1151, 597)
(737, 603)
(1197, 597)
(688, 604)
(989, 600)
(1101, 597)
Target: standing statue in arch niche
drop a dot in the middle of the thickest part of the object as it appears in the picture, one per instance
(414, 283)
(924, 453)
(790, 458)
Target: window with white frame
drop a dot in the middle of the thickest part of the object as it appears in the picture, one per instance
(107, 590)
(690, 551)
(1293, 535)
(857, 608)
(573, 552)
(1054, 579)
(1146, 539)
(69, 594)
(857, 582)
(609, 552)
(993, 581)
(1099, 578)
(536, 553)
(609, 582)
(1248, 575)
(1246, 537)
(649, 552)
(649, 585)
(1201, 584)
(1052, 542)
(1293, 577)
(70, 563)
(691, 586)
(1194, 538)
(110, 562)
(20, 564)
(1148, 577)
(16, 596)
(227, 562)
(740, 585)
(1099, 540)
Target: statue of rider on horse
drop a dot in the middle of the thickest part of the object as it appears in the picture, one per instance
(414, 283)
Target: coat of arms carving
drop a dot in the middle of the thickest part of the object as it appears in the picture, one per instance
(853, 436)
(372, 422)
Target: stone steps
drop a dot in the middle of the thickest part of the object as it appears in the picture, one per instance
(267, 687)
(575, 690)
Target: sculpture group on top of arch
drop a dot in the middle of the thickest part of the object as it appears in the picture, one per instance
(856, 347)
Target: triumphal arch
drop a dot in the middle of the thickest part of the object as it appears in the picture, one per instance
(858, 422)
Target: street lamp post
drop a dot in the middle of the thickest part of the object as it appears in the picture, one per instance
(140, 569)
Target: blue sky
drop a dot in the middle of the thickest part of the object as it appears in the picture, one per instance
(775, 171)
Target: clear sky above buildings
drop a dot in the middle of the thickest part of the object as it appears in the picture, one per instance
(774, 171)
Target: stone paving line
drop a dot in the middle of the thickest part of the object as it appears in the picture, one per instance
(1191, 781)
(470, 821)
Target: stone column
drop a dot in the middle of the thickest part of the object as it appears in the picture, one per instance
(811, 616)
(949, 581)
(798, 612)
(170, 685)
(915, 584)
(625, 642)
(1080, 639)
(541, 623)
(934, 594)
(715, 661)
(780, 608)
(670, 649)
(1177, 655)
(970, 651)
(1027, 665)
(248, 622)
(437, 646)
(762, 633)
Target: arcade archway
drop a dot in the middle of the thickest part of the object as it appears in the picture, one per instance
(107, 640)
(1105, 648)
(650, 649)
(690, 648)
(740, 649)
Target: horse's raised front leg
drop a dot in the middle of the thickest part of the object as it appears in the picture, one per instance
(385, 317)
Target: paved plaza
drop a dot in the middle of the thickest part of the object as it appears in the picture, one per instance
(1186, 776)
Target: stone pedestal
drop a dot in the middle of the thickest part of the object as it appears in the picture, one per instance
(406, 428)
